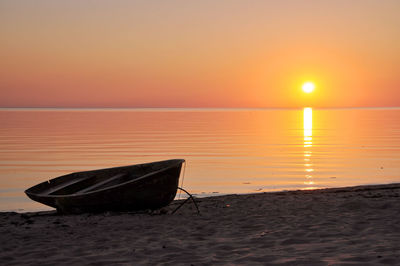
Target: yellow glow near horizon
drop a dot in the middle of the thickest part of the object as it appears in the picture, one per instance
(308, 87)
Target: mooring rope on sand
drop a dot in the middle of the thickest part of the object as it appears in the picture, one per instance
(181, 189)
(190, 197)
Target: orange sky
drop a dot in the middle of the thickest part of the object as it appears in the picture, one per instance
(199, 54)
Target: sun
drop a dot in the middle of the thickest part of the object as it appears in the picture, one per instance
(308, 87)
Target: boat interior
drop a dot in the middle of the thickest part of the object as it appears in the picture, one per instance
(89, 181)
(88, 184)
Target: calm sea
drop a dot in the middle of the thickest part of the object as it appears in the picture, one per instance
(227, 150)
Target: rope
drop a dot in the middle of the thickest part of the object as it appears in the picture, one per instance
(183, 177)
(190, 197)
(181, 189)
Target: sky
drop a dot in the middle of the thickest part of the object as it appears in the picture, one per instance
(223, 53)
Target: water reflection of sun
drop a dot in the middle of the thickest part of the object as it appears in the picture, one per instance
(307, 127)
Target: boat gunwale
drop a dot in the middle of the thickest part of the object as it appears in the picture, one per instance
(180, 161)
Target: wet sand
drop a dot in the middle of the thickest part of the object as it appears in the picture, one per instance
(342, 226)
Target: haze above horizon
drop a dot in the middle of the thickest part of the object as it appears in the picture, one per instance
(227, 54)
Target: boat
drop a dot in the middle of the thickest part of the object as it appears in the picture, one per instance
(126, 188)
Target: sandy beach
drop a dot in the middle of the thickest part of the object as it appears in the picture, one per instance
(341, 226)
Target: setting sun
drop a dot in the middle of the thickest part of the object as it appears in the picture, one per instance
(308, 87)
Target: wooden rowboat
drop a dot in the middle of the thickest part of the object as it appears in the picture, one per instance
(127, 188)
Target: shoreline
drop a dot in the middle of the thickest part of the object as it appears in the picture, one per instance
(211, 195)
(350, 225)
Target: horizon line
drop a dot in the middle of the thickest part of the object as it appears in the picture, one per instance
(193, 108)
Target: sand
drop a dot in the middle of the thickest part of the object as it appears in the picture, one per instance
(346, 226)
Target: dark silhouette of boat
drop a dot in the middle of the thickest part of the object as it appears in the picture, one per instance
(127, 188)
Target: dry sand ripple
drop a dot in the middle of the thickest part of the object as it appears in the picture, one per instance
(358, 225)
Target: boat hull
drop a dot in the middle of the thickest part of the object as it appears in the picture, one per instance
(152, 190)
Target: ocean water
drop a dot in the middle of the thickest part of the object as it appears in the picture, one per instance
(227, 150)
